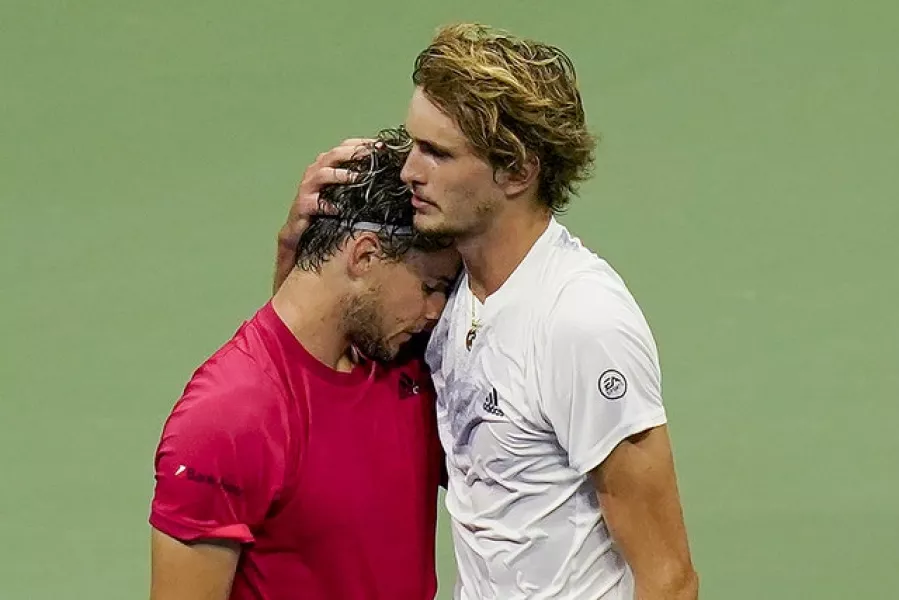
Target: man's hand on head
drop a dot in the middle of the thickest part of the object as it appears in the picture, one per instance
(324, 171)
(307, 203)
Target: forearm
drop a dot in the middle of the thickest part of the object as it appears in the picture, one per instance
(677, 584)
(637, 488)
(284, 262)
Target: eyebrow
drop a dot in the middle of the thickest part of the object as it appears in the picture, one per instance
(438, 147)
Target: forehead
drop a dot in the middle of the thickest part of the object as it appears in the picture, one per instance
(426, 122)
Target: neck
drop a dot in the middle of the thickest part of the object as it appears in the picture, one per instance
(313, 312)
(492, 255)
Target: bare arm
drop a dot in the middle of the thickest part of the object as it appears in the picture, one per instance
(197, 571)
(324, 171)
(284, 260)
(637, 489)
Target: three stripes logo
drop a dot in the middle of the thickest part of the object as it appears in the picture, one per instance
(491, 404)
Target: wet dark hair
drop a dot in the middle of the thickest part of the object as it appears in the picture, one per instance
(377, 201)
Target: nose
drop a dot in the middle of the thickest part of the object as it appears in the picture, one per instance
(411, 173)
(434, 306)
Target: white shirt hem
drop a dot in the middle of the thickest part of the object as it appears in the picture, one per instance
(600, 452)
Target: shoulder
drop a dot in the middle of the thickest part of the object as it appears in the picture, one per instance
(591, 307)
(231, 395)
(567, 273)
(595, 297)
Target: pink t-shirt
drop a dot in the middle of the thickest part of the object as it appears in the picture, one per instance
(329, 479)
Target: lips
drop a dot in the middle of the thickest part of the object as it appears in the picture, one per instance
(419, 202)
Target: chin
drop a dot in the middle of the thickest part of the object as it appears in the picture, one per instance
(422, 220)
(414, 349)
(430, 224)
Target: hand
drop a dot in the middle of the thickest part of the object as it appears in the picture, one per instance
(322, 172)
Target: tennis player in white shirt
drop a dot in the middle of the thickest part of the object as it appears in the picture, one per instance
(561, 477)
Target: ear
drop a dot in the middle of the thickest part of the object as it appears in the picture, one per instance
(516, 182)
(362, 251)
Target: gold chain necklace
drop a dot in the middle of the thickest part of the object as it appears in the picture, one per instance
(475, 325)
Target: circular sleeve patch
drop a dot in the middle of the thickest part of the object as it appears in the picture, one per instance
(612, 385)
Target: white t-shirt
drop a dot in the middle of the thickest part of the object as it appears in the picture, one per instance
(562, 369)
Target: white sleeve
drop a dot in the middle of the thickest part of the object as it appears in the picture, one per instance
(602, 381)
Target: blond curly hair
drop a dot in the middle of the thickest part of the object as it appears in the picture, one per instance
(513, 99)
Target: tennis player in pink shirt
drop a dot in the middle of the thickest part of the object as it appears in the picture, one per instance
(302, 460)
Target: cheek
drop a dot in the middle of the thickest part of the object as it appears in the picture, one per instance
(403, 300)
(475, 183)
(446, 175)
(411, 305)
(455, 186)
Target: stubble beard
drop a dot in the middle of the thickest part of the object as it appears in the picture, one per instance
(364, 327)
(440, 225)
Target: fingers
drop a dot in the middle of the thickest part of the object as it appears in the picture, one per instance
(356, 142)
(329, 175)
(326, 170)
(346, 151)
(324, 208)
(309, 205)
(318, 177)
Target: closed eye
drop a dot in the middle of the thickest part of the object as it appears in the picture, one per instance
(440, 288)
(432, 150)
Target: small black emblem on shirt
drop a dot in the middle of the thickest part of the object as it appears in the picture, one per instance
(612, 384)
(408, 386)
(491, 404)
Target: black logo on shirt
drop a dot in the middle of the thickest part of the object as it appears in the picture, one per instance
(612, 384)
(491, 404)
(192, 474)
(408, 386)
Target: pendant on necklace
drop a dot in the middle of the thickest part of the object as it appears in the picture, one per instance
(469, 339)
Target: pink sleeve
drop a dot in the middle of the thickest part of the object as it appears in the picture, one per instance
(220, 462)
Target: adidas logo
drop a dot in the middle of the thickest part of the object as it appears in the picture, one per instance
(408, 386)
(491, 404)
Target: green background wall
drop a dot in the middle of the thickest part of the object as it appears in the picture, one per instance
(745, 188)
